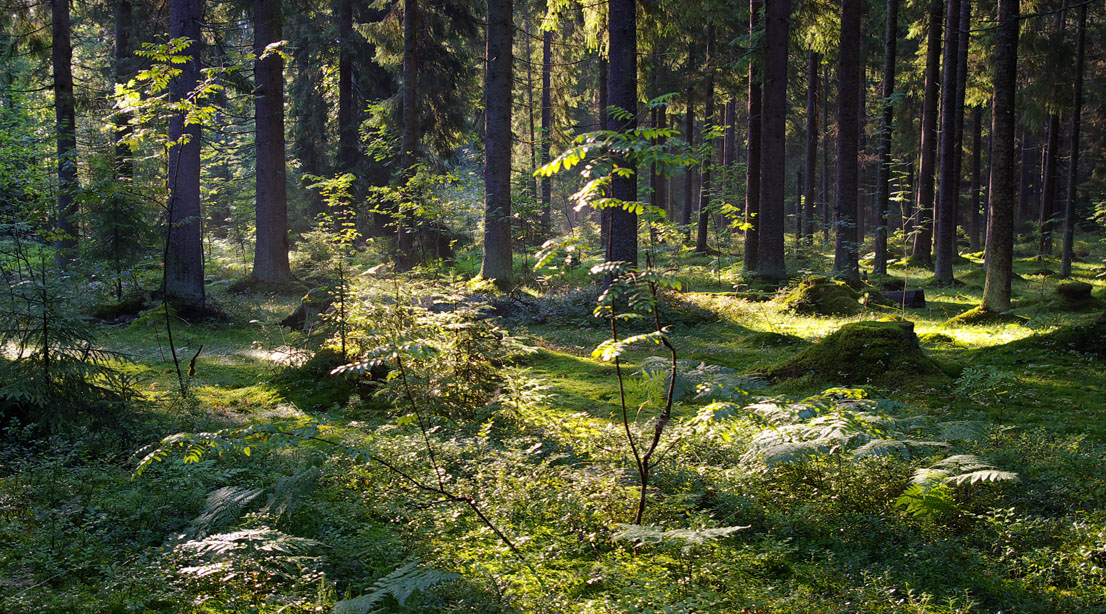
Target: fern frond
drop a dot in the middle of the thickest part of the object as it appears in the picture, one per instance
(222, 506)
(642, 534)
(289, 491)
(400, 584)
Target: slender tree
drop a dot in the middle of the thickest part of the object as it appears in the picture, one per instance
(546, 127)
(61, 55)
(848, 73)
(270, 261)
(883, 179)
(184, 264)
(124, 25)
(945, 237)
(752, 160)
(1048, 195)
(622, 81)
(409, 134)
(498, 74)
(708, 163)
(770, 251)
(923, 212)
(347, 125)
(1073, 164)
(973, 203)
(1000, 234)
(811, 152)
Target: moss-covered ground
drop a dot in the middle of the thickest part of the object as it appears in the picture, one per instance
(79, 533)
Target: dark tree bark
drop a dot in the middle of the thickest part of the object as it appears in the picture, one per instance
(659, 179)
(184, 264)
(498, 74)
(1048, 197)
(883, 180)
(604, 101)
(409, 134)
(546, 127)
(811, 153)
(945, 237)
(1073, 165)
(826, 209)
(622, 81)
(270, 260)
(964, 43)
(848, 73)
(977, 146)
(124, 61)
(773, 141)
(689, 136)
(347, 125)
(923, 212)
(729, 155)
(1000, 236)
(708, 164)
(65, 115)
(752, 165)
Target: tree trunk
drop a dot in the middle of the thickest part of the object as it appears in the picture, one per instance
(689, 136)
(883, 180)
(124, 24)
(826, 210)
(622, 81)
(1000, 237)
(923, 224)
(811, 153)
(770, 251)
(347, 126)
(660, 179)
(409, 134)
(945, 238)
(729, 155)
(184, 264)
(977, 146)
(1073, 165)
(546, 128)
(848, 99)
(270, 260)
(964, 43)
(752, 165)
(61, 55)
(708, 163)
(498, 75)
(604, 101)
(1048, 198)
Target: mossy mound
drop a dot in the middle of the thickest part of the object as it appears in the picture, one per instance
(1075, 293)
(769, 339)
(879, 352)
(1087, 339)
(119, 311)
(936, 338)
(155, 317)
(980, 316)
(887, 282)
(913, 262)
(1042, 272)
(823, 296)
(250, 285)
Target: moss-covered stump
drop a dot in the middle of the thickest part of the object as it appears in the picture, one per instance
(877, 352)
(1074, 293)
(980, 316)
(250, 285)
(823, 296)
(769, 339)
(122, 311)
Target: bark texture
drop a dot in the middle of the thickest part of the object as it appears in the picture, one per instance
(848, 127)
(498, 74)
(770, 251)
(923, 211)
(883, 179)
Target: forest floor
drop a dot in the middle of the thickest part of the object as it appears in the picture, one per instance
(520, 417)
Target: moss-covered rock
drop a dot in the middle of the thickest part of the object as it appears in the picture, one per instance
(250, 285)
(936, 338)
(770, 339)
(155, 317)
(1075, 293)
(129, 307)
(1087, 339)
(823, 296)
(878, 352)
(980, 316)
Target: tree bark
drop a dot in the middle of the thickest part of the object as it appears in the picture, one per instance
(770, 251)
(1067, 254)
(270, 260)
(848, 73)
(546, 128)
(923, 224)
(729, 155)
(604, 101)
(184, 265)
(124, 24)
(65, 116)
(1048, 197)
(977, 146)
(1000, 237)
(811, 153)
(883, 179)
(708, 163)
(409, 135)
(752, 165)
(347, 126)
(622, 81)
(498, 75)
(964, 43)
(945, 237)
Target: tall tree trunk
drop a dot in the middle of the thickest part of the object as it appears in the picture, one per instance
(861, 143)
(604, 101)
(498, 76)
(977, 146)
(622, 81)
(184, 264)
(532, 179)
(773, 141)
(1000, 237)
(347, 125)
(945, 238)
(752, 164)
(1073, 165)
(689, 182)
(660, 179)
(964, 44)
(1048, 198)
(826, 209)
(883, 180)
(124, 25)
(409, 134)
(811, 153)
(270, 260)
(708, 163)
(546, 128)
(729, 155)
(61, 55)
(848, 99)
(923, 224)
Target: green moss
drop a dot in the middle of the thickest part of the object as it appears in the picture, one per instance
(154, 317)
(111, 312)
(249, 285)
(1075, 293)
(878, 352)
(770, 339)
(823, 296)
(980, 316)
(936, 338)
(1084, 339)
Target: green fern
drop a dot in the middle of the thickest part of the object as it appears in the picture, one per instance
(641, 534)
(222, 506)
(930, 489)
(400, 585)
